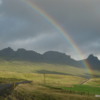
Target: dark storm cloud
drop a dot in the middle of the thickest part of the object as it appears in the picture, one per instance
(20, 22)
(81, 18)
(21, 26)
(44, 41)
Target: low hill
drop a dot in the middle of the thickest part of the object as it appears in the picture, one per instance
(51, 57)
(34, 67)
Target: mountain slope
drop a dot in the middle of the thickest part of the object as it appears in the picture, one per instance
(94, 62)
(52, 57)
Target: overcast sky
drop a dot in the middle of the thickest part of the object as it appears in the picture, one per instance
(23, 27)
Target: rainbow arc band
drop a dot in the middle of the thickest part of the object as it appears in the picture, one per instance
(61, 30)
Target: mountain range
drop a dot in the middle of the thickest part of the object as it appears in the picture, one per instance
(48, 57)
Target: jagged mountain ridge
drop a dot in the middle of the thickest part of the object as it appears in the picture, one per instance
(48, 57)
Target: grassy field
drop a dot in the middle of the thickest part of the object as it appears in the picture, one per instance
(85, 89)
(54, 87)
(29, 67)
(94, 82)
(53, 79)
(61, 83)
(39, 92)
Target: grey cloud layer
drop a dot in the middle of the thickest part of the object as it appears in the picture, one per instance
(22, 26)
(81, 18)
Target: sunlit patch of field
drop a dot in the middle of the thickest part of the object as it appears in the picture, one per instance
(29, 67)
(83, 89)
(52, 82)
(94, 82)
(39, 92)
(46, 87)
(52, 79)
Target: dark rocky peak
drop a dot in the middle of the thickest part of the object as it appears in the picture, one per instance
(92, 58)
(7, 50)
(21, 50)
(56, 54)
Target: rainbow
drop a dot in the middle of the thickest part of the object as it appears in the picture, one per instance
(61, 30)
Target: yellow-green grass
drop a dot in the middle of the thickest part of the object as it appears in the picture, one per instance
(83, 89)
(28, 71)
(15, 71)
(29, 67)
(51, 79)
(94, 82)
(39, 92)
